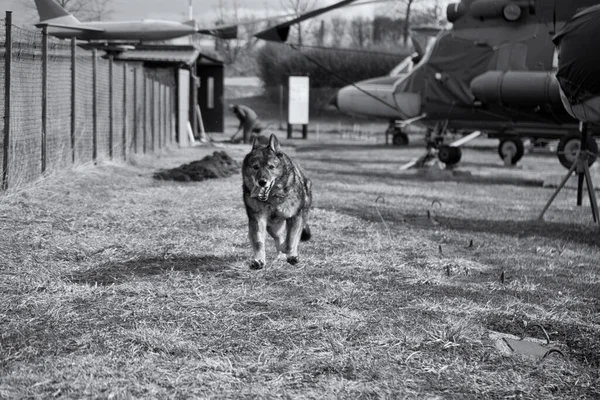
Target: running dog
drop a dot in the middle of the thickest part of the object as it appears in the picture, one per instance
(277, 196)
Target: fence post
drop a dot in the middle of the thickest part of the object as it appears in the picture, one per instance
(7, 84)
(160, 128)
(164, 111)
(174, 111)
(125, 111)
(44, 96)
(95, 104)
(111, 104)
(280, 107)
(135, 104)
(145, 110)
(73, 95)
(153, 112)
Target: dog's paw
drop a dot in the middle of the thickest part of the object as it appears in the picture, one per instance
(257, 264)
(293, 260)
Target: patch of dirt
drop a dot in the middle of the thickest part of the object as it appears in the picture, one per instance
(218, 165)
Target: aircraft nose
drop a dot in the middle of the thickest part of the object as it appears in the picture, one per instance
(380, 101)
(334, 101)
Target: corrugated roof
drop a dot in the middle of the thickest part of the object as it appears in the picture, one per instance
(183, 54)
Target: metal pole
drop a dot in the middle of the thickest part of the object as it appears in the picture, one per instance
(135, 114)
(7, 87)
(160, 127)
(165, 97)
(73, 95)
(125, 111)
(153, 112)
(145, 112)
(95, 105)
(582, 150)
(110, 106)
(280, 107)
(44, 96)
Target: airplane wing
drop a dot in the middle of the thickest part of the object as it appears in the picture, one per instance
(73, 27)
(279, 33)
(223, 32)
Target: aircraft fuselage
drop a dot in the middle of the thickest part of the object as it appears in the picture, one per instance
(126, 30)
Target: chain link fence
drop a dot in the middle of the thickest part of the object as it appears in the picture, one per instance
(61, 104)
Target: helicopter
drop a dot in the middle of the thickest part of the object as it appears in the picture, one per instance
(493, 72)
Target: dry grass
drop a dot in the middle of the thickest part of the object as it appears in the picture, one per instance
(115, 285)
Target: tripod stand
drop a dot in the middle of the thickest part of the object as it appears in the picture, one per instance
(580, 166)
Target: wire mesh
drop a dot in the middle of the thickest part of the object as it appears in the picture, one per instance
(147, 133)
(130, 105)
(118, 114)
(2, 86)
(84, 98)
(58, 135)
(24, 163)
(102, 104)
(142, 101)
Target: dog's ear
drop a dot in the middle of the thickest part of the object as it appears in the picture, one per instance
(274, 143)
(255, 142)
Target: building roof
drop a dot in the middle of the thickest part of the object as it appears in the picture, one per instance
(186, 54)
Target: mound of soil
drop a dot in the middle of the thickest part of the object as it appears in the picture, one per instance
(218, 165)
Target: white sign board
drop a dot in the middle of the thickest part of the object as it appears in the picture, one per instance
(298, 100)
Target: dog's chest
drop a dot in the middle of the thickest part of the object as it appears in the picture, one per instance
(286, 209)
(277, 208)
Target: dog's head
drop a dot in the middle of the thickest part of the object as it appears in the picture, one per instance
(263, 166)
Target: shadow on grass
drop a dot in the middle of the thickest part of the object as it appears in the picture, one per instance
(115, 273)
(370, 176)
(582, 234)
(336, 147)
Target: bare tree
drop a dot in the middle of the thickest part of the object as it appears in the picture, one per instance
(233, 49)
(338, 30)
(319, 33)
(85, 10)
(298, 7)
(359, 31)
(403, 11)
(407, 21)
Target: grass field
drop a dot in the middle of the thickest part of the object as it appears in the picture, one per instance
(114, 285)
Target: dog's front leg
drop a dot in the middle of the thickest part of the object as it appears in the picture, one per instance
(257, 227)
(276, 229)
(294, 230)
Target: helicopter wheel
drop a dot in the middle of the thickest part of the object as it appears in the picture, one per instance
(568, 149)
(400, 138)
(449, 155)
(511, 146)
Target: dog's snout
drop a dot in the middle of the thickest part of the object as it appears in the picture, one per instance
(262, 182)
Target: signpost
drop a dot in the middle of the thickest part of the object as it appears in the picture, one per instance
(298, 100)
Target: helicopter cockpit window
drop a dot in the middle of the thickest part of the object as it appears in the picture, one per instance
(429, 48)
(404, 67)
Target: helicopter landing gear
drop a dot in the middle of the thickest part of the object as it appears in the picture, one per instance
(399, 137)
(449, 155)
(569, 146)
(511, 150)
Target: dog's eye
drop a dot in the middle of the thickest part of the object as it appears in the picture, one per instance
(271, 167)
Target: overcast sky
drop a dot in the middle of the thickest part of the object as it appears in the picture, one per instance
(204, 10)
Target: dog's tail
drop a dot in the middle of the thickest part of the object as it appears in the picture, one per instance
(306, 235)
